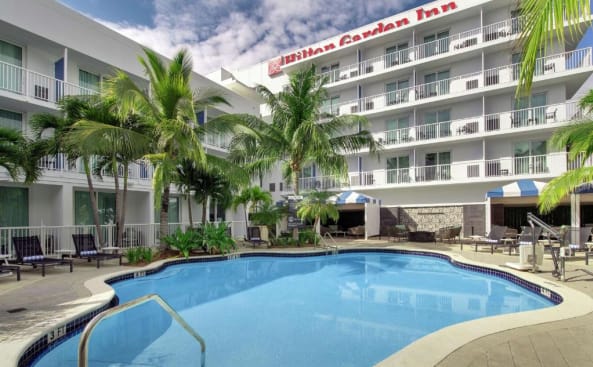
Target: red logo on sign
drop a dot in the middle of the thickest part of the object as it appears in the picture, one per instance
(275, 66)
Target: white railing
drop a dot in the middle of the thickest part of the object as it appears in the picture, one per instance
(503, 75)
(453, 43)
(552, 164)
(217, 140)
(29, 83)
(57, 240)
(59, 163)
(579, 162)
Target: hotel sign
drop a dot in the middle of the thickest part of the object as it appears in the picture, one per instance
(420, 14)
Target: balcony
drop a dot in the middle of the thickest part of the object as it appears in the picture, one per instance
(59, 163)
(526, 119)
(547, 165)
(39, 87)
(503, 76)
(501, 31)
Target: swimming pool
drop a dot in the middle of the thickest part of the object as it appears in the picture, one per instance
(351, 309)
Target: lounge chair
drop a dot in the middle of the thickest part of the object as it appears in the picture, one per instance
(6, 270)
(401, 232)
(86, 249)
(254, 236)
(28, 252)
(356, 231)
(525, 237)
(493, 239)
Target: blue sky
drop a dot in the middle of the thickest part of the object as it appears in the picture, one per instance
(237, 33)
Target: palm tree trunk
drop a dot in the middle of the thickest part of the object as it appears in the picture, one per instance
(122, 219)
(246, 220)
(204, 207)
(164, 218)
(191, 219)
(295, 183)
(94, 206)
(114, 169)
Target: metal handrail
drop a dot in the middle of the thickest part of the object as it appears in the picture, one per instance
(86, 333)
(533, 221)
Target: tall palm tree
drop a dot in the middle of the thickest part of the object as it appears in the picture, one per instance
(315, 207)
(118, 142)
(539, 30)
(169, 106)
(18, 155)
(578, 137)
(73, 109)
(300, 133)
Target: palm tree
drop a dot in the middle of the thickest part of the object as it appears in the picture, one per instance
(315, 207)
(539, 30)
(118, 142)
(578, 137)
(251, 197)
(73, 109)
(300, 133)
(169, 106)
(19, 155)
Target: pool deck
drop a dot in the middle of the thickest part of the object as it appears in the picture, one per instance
(568, 342)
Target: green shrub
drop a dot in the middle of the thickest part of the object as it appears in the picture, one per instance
(307, 236)
(184, 242)
(137, 254)
(216, 236)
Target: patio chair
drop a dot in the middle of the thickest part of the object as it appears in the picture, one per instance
(493, 239)
(449, 233)
(28, 252)
(356, 231)
(86, 249)
(254, 236)
(525, 237)
(401, 232)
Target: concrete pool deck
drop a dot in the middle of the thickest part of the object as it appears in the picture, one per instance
(60, 295)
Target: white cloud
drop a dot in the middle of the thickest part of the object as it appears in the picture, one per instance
(236, 33)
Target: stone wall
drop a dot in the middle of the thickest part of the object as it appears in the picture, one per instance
(431, 219)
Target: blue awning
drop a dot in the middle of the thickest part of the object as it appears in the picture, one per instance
(352, 197)
(585, 189)
(521, 188)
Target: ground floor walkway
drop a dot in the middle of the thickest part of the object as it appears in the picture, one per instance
(36, 303)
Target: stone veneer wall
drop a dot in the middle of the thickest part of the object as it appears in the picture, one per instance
(432, 218)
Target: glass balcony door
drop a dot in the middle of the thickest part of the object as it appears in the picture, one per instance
(530, 157)
(398, 169)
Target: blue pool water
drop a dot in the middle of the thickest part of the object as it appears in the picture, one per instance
(345, 310)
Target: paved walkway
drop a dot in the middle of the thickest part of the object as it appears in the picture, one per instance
(563, 343)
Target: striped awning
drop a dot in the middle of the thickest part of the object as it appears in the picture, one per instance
(352, 197)
(521, 188)
(584, 188)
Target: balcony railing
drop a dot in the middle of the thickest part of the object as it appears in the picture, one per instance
(458, 42)
(18, 80)
(467, 83)
(529, 118)
(60, 163)
(549, 165)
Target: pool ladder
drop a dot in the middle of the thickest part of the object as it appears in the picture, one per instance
(88, 330)
(333, 249)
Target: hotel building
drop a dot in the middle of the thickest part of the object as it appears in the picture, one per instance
(437, 85)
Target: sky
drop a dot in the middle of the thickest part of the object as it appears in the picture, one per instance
(238, 33)
(235, 33)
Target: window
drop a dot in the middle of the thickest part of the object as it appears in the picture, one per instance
(397, 92)
(281, 186)
(83, 211)
(515, 21)
(516, 64)
(398, 130)
(272, 187)
(435, 84)
(529, 157)
(398, 54)
(438, 166)
(333, 72)
(11, 76)
(529, 110)
(331, 105)
(397, 169)
(14, 202)
(437, 124)
(436, 43)
(11, 120)
(88, 80)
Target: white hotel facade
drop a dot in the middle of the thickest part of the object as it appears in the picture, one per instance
(436, 84)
